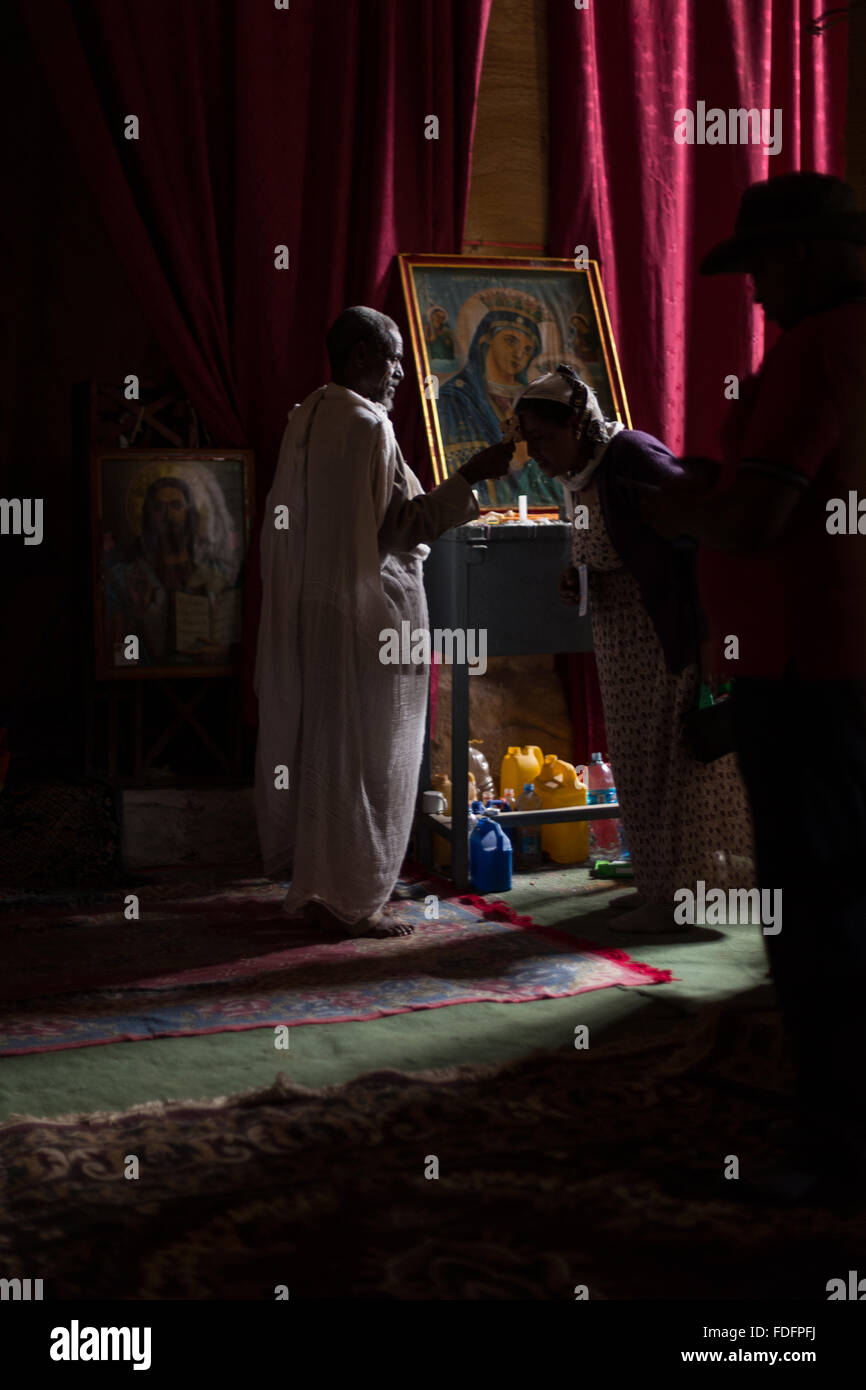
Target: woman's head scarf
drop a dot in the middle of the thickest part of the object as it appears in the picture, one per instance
(565, 387)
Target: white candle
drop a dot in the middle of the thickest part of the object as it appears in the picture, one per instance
(521, 507)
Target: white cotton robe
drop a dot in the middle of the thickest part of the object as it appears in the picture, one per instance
(348, 728)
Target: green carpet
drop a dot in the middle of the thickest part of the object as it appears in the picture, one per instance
(712, 964)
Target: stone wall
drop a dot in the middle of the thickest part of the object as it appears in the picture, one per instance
(517, 700)
(508, 192)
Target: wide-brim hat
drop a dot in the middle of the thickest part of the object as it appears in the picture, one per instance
(790, 207)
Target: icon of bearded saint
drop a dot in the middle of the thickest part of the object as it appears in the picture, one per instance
(186, 544)
(475, 403)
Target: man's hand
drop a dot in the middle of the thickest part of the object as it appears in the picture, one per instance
(569, 585)
(489, 463)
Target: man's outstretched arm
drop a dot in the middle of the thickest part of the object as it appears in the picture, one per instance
(751, 515)
(410, 521)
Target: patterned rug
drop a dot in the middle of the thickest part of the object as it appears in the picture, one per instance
(199, 961)
(57, 837)
(602, 1168)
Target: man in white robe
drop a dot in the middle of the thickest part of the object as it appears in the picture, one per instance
(345, 532)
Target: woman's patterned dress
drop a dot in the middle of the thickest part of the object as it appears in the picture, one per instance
(684, 820)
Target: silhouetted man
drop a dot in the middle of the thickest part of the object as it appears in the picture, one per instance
(784, 573)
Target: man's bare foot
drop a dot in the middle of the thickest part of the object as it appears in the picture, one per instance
(380, 926)
(377, 924)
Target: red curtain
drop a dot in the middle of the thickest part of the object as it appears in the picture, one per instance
(262, 127)
(648, 208)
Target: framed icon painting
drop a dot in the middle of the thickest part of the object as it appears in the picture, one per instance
(171, 530)
(481, 331)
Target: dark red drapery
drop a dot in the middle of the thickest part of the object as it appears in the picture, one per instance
(262, 127)
(305, 127)
(647, 208)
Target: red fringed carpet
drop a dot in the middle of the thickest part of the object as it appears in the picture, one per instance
(199, 961)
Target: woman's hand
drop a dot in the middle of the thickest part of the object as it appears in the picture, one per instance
(711, 665)
(489, 463)
(569, 585)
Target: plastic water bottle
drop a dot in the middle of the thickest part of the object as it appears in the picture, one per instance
(604, 835)
(471, 822)
(490, 855)
(527, 838)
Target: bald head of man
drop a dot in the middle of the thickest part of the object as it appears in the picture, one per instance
(366, 354)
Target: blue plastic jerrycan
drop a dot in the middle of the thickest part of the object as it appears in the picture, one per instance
(489, 856)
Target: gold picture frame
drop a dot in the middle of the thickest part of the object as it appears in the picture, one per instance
(530, 313)
(171, 533)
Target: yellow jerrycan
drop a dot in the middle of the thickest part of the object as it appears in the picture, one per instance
(559, 785)
(519, 766)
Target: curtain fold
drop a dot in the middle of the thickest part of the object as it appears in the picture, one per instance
(648, 208)
(259, 128)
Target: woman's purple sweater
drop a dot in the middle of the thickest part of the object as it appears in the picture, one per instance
(665, 571)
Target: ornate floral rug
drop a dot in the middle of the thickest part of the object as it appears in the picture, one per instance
(58, 837)
(602, 1169)
(204, 961)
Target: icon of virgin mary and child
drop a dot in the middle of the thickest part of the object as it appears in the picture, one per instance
(475, 403)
